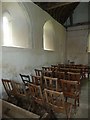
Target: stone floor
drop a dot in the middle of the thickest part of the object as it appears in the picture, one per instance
(83, 110)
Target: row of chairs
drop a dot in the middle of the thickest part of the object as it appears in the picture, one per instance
(83, 69)
(56, 84)
(60, 75)
(48, 98)
(43, 81)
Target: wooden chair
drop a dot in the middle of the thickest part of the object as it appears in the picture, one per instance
(59, 75)
(55, 101)
(64, 70)
(75, 70)
(46, 68)
(20, 94)
(47, 73)
(38, 72)
(36, 93)
(25, 78)
(71, 90)
(8, 88)
(85, 70)
(51, 83)
(37, 80)
(54, 66)
(61, 65)
(74, 76)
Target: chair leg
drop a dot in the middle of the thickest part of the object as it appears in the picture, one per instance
(53, 117)
(51, 114)
(65, 99)
(78, 101)
(69, 113)
(75, 103)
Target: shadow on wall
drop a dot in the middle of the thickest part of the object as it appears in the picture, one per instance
(12, 73)
(8, 71)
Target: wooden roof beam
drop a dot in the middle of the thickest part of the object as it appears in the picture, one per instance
(58, 5)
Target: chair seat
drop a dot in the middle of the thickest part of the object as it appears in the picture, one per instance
(63, 107)
(74, 95)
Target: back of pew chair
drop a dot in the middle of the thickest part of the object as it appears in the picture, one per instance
(47, 68)
(47, 73)
(54, 65)
(52, 83)
(55, 101)
(61, 66)
(25, 78)
(85, 70)
(75, 70)
(59, 75)
(37, 80)
(38, 72)
(18, 89)
(19, 92)
(8, 88)
(64, 70)
(74, 76)
(36, 93)
(71, 90)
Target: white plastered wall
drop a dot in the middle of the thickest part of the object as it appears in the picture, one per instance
(77, 43)
(20, 60)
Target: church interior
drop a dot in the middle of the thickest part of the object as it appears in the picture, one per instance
(44, 60)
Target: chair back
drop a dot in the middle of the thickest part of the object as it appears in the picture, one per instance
(48, 73)
(74, 76)
(47, 68)
(59, 75)
(70, 88)
(75, 70)
(38, 72)
(55, 101)
(7, 86)
(51, 83)
(36, 93)
(37, 80)
(18, 88)
(53, 97)
(25, 78)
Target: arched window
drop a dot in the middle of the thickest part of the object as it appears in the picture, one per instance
(7, 30)
(16, 26)
(48, 36)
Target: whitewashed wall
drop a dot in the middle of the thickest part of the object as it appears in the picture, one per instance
(77, 37)
(77, 43)
(20, 60)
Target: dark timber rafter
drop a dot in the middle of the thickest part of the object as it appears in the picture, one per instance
(60, 11)
(58, 5)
